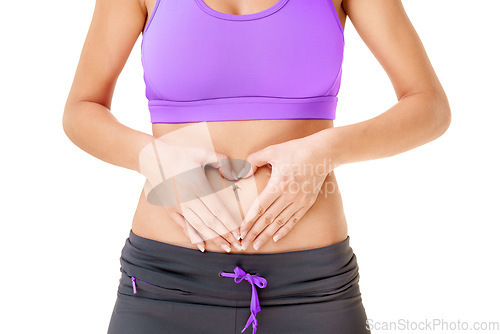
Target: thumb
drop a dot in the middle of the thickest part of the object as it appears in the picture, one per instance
(253, 161)
(223, 163)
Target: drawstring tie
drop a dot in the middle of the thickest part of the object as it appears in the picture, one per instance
(261, 282)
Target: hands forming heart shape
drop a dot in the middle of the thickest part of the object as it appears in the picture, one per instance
(207, 193)
(297, 175)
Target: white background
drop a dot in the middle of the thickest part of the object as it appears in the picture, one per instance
(424, 224)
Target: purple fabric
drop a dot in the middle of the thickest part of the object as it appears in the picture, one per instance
(203, 65)
(322, 107)
(239, 274)
(134, 285)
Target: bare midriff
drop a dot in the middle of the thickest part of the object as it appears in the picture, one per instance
(323, 224)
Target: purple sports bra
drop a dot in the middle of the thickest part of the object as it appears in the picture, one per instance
(284, 62)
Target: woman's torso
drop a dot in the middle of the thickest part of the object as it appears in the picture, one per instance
(323, 224)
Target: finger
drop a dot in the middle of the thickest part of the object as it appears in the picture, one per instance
(221, 219)
(219, 241)
(197, 223)
(224, 166)
(261, 203)
(264, 221)
(217, 215)
(256, 159)
(225, 220)
(279, 221)
(294, 219)
(227, 169)
(209, 196)
(212, 220)
(206, 233)
(240, 167)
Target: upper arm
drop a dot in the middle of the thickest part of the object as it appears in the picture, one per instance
(114, 29)
(387, 31)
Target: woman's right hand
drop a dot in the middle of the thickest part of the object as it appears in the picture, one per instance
(176, 180)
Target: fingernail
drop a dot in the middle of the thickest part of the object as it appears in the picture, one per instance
(234, 175)
(226, 248)
(276, 237)
(236, 235)
(244, 246)
(243, 235)
(237, 245)
(201, 247)
(257, 244)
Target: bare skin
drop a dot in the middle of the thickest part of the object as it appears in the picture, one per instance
(421, 115)
(324, 224)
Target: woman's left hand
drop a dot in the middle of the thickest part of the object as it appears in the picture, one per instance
(299, 168)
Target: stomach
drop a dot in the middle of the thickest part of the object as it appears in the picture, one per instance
(323, 224)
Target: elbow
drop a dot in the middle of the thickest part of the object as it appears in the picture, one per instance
(67, 121)
(441, 114)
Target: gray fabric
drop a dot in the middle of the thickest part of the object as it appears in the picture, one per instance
(308, 291)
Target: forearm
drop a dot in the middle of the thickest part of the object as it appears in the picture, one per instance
(415, 120)
(92, 127)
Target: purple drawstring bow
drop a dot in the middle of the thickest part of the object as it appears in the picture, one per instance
(261, 282)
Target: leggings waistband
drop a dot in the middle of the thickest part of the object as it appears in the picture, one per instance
(190, 270)
(316, 273)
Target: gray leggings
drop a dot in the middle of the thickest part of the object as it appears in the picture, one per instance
(171, 289)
